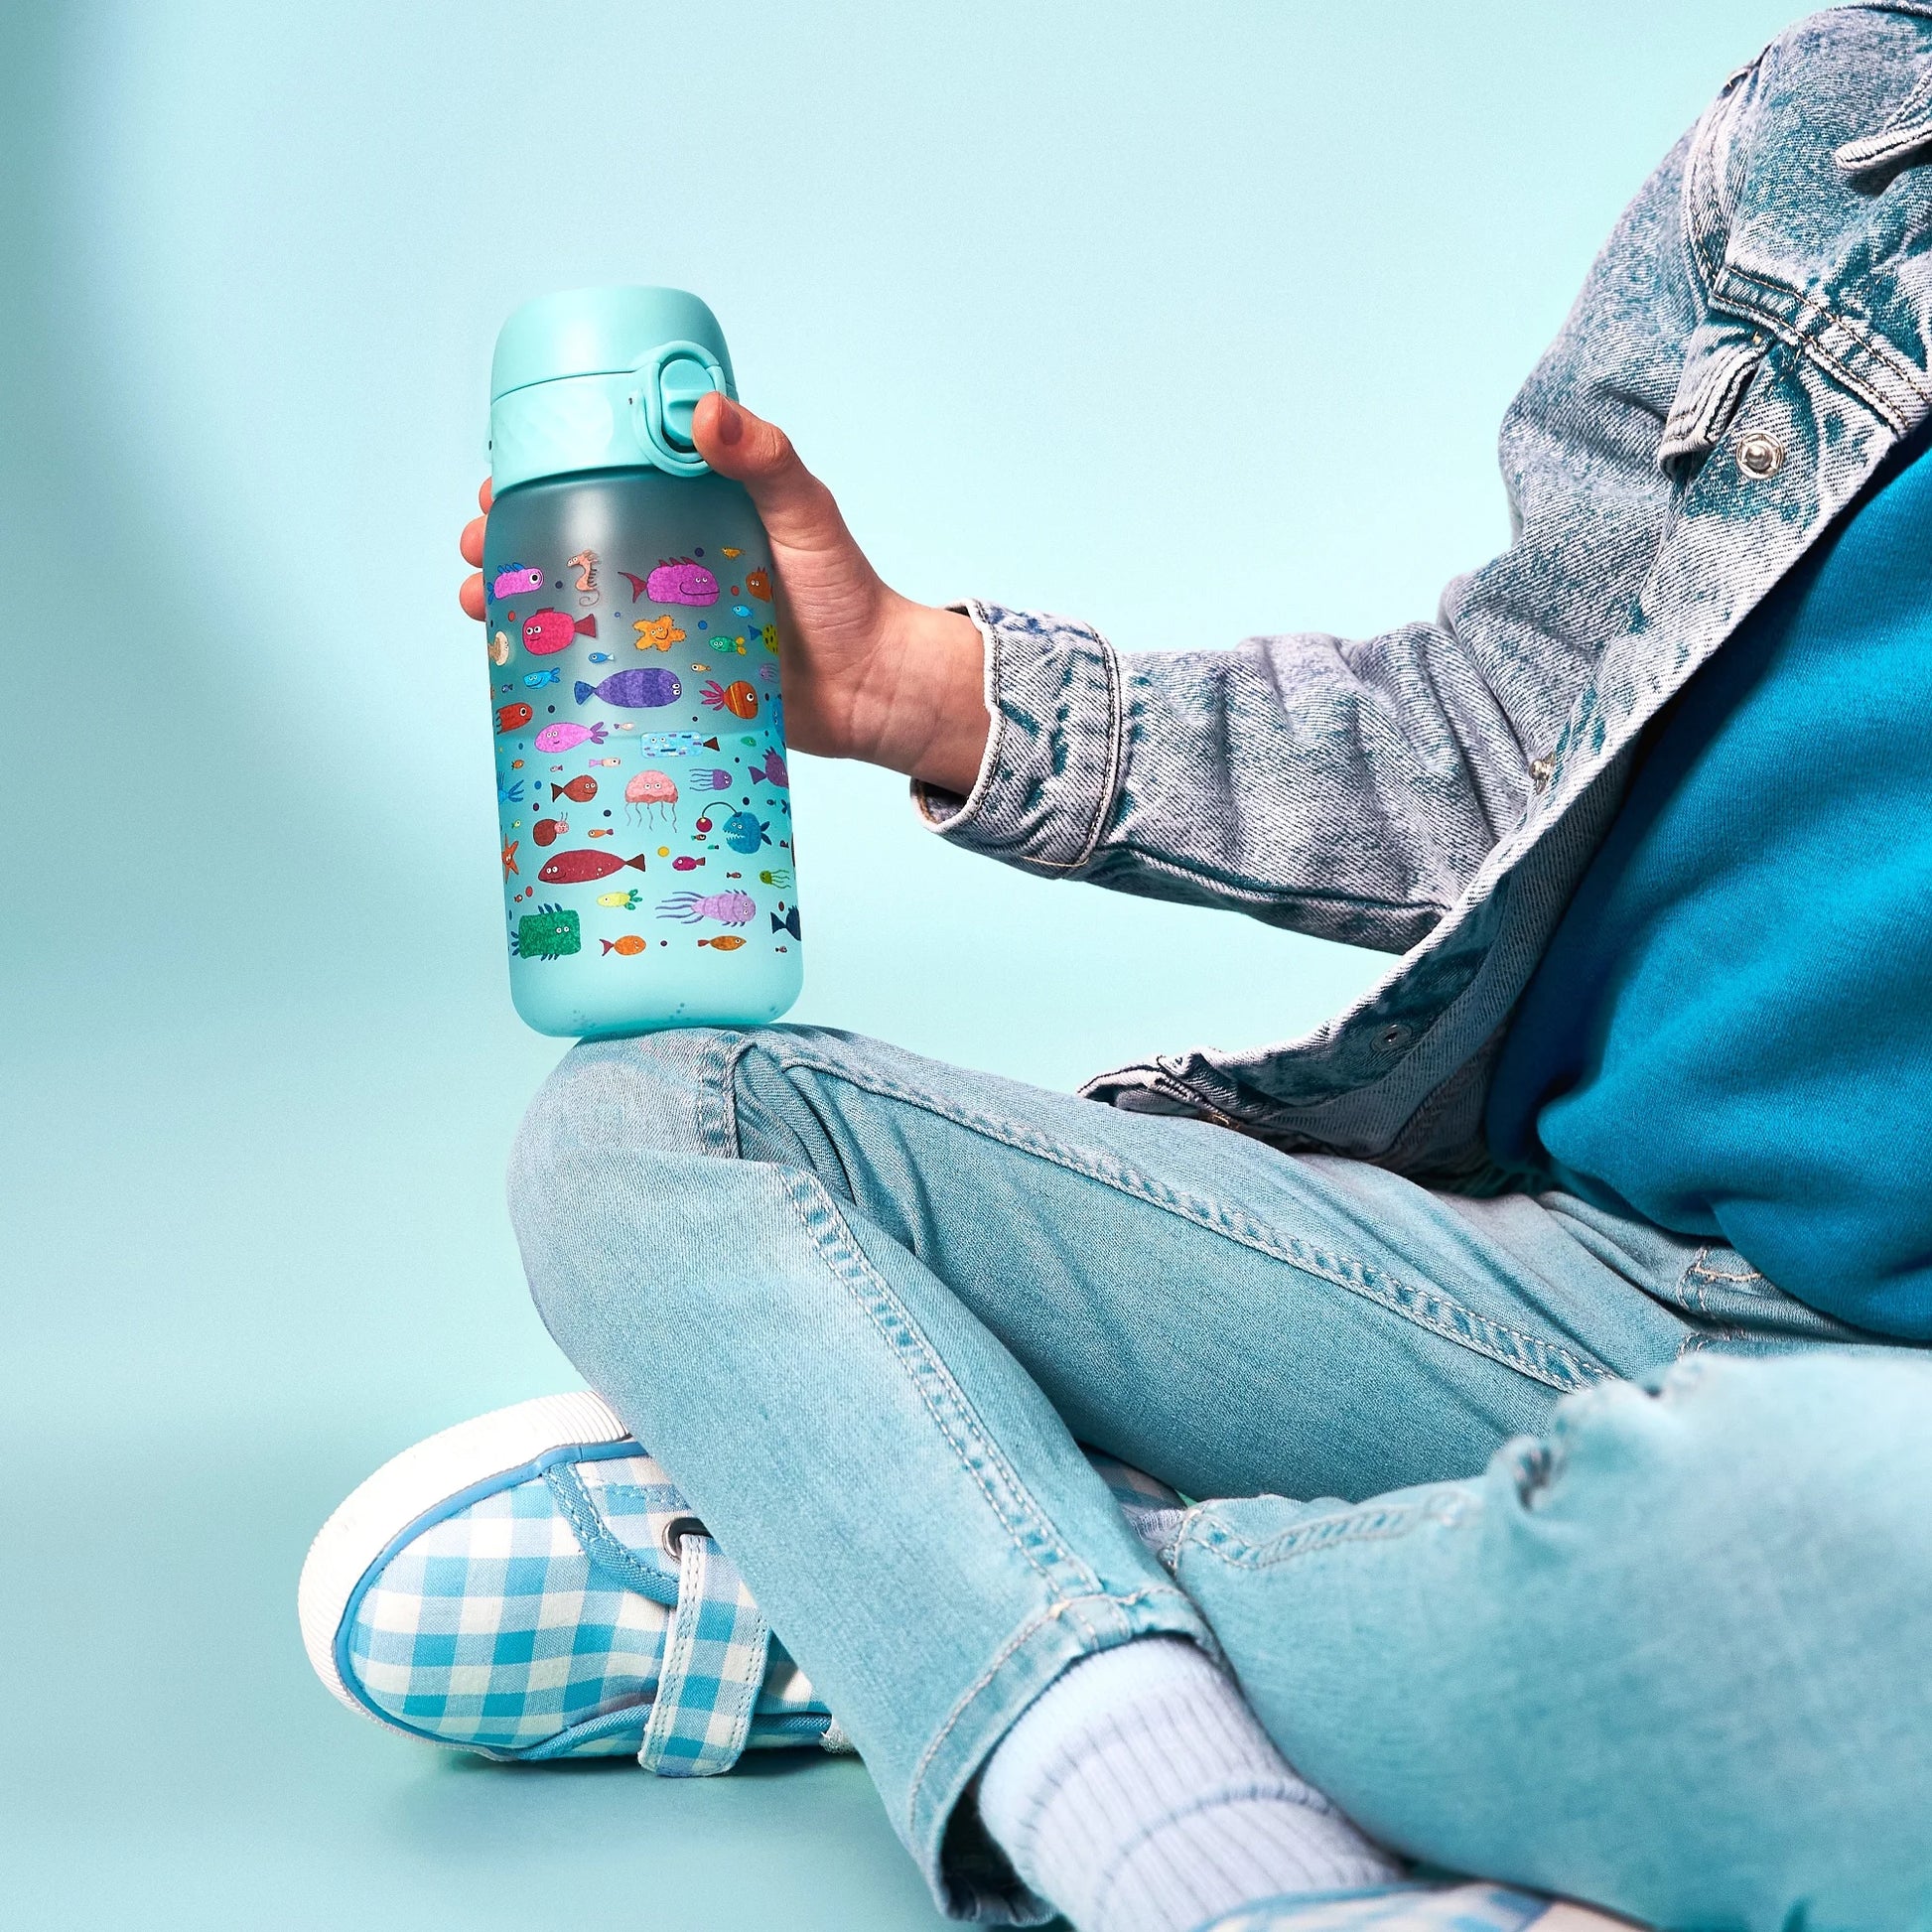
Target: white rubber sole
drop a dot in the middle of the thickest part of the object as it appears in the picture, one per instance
(417, 1483)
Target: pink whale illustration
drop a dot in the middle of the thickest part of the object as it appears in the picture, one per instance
(681, 582)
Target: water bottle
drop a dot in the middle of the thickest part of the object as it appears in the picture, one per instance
(643, 795)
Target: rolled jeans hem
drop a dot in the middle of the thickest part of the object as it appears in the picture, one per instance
(968, 1877)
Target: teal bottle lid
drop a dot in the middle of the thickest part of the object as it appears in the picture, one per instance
(603, 379)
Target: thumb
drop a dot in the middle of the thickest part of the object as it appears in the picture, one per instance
(796, 509)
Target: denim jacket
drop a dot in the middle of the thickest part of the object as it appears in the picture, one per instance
(1749, 343)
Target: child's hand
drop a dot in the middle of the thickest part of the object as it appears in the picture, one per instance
(868, 673)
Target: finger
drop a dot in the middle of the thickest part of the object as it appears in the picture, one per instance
(472, 541)
(795, 509)
(486, 494)
(470, 595)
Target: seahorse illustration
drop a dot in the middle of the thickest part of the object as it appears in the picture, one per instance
(588, 592)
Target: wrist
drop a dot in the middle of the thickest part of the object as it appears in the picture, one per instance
(935, 727)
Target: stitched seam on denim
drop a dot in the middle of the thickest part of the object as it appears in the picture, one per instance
(1369, 1525)
(1110, 664)
(813, 1204)
(1428, 1308)
(1875, 345)
(1037, 1621)
(1697, 1268)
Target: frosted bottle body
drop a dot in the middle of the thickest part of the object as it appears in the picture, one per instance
(643, 792)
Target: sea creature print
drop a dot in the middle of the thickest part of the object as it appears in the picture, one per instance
(789, 923)
(623, 901)
(601, 658)
(725, 943)
(778, 877)
(728, 908)
(510, 856)
(713, 779)
(565, 738)
(626, 945)
(768, 638)
(738, 698)
(770, 770)
(657, 633)
(685, 862)
(758, 583)
(745, 832)
(681, 582)
(511, 793)
(673, 745)
(582, 790)
(647, 794)
(642, 690)
(549, 932)
(601, 762)
(513, 716)
(600, 832)
(547, 831)
(588, 592)
(514, 579)
(500, 649)
(536, 680)
(637, 584)
(729, 551)
(579, 867)
(740, 609)
(547, 631)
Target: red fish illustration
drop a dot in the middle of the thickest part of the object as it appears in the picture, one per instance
(582, 789)
(547, 631)
(637, 584)
(574, 868)
(513, 716)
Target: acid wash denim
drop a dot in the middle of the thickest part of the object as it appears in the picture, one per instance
(1623, 1589)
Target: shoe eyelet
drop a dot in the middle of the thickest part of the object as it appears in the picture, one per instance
(670, 1538)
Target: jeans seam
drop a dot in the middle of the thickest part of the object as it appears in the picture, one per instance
(1547, 1363)
(1367, 1524)
(847, 1259)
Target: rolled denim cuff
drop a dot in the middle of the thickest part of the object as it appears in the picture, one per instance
(1052, 767)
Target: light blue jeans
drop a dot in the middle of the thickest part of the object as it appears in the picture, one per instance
(1631, 1594)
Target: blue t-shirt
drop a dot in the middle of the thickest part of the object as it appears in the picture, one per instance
(1730, 1034)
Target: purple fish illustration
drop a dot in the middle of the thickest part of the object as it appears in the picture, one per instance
(728, 908)
(681, 582)
(514, 579)
(772, 772)
(563, 738)
(641, 690)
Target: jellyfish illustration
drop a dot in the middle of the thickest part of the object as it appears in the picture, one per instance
(649, 793)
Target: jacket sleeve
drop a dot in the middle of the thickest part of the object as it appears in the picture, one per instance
(1350, 790)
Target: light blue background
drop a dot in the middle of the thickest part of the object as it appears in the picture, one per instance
(1192, 320)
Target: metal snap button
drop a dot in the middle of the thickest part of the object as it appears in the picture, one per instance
(1759, 455)
(1392, 1037)
(1542, 771)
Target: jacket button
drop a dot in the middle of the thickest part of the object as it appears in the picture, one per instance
(1758, 455)
(1541, 771)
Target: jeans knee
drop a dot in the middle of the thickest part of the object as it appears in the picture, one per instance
(600, 1139)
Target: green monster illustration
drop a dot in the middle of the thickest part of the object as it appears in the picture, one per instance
(550, 932)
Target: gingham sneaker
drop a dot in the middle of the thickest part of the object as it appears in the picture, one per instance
(530, 1584)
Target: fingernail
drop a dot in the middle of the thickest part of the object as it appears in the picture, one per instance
(731, 421)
